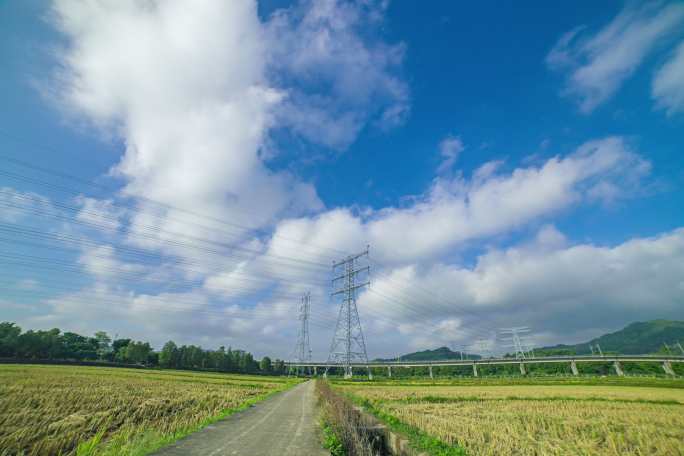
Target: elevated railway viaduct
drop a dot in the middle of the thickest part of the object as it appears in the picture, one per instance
(616, 360)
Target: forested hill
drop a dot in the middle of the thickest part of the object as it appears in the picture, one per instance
(635, 339)
(433, 355)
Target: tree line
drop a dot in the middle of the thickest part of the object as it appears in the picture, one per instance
(55, 345)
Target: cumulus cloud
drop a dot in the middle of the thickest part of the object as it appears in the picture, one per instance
(449, 149)
(264, 328)
(196, 93)
(198, 96)
(564, 291)
(336, 71)
(17, 206)
(668, 83)
(101, 214)
(597, 64)
(455, 211)
(102, 262)
(187, 91)
(240, 281)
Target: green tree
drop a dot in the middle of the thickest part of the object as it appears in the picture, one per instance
(279, 366)
(168, 357)
(119, 349)
(104, 344)
(79, 347)
(265, 365)
(137, 352)
(9, 339)
(40, 345)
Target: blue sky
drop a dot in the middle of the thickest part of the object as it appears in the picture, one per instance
(487, 152)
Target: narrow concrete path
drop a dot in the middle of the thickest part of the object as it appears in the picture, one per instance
(284, 424)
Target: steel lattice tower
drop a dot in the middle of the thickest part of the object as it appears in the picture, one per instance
(302, 352)
(516, 341)
(348, 344)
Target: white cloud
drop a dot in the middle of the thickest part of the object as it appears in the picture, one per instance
(101, 262)
(187, 90)
(565, 292)
(668, 83)
(186, 317)
(196, 94)
(17, 206)
(343, 73)
(598, 64)
(233, 282)
(455, 211)
(100, 214)
(449, 148)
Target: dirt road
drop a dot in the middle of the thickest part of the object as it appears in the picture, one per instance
(284, 424)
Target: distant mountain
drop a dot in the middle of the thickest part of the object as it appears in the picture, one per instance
(437, 354)
(635, 339)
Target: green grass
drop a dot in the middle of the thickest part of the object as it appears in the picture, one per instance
(332, 442)
(418, 439)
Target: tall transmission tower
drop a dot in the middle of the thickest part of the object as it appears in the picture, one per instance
(303, 347)
(516, 339)
(482, 347)
(348, 344)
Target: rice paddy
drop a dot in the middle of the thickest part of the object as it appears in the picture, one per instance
(65, 410)
(544, 419)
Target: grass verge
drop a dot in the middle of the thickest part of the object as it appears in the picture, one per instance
(331, 441)
(418, 439)
(343, 427)
(140, 444)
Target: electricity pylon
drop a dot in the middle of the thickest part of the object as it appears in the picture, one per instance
(482, 347)
(303, 347)
(513, 335)
(348, 344)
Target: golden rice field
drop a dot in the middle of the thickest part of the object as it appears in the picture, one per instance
(65, 410)
(538, 419)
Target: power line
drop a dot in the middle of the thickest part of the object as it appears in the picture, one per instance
(303, 347)
(167, 206)
(151, 233)
(517, 340)
(91, 298)
(141, 231)
(348, 343)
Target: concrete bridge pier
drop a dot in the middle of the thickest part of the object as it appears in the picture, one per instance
(618, 368)
(573, 367)
(667, 367)
(389, 371)
(475, 369)
(522, 369)
(315, 371)
(431, 376)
